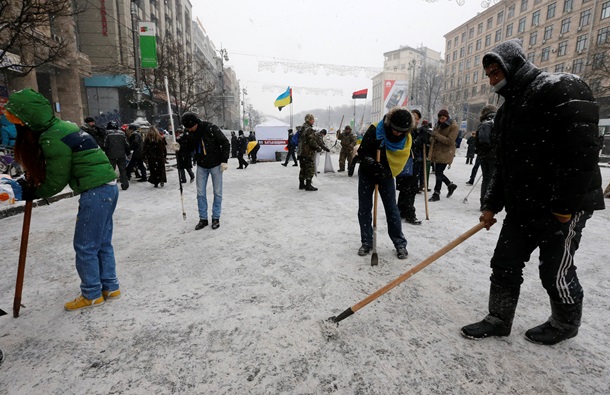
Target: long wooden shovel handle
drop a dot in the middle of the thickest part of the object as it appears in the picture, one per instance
(410, 273)
(25, 233)
(376, 199)
(426, 182)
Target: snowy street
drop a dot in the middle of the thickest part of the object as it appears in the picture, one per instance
(237, 310)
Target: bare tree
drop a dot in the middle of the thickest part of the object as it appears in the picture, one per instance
(28, 29)
(256, 117)
(429, 87)
(191, 86)
(597, 71)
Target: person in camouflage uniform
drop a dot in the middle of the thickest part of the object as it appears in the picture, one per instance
(348, 142)
(309, 145)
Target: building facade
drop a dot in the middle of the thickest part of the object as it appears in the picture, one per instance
(60, 80)
(405, 79)
(558, 36)
(105, 34)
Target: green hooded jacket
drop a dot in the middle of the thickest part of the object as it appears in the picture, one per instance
(72, 156)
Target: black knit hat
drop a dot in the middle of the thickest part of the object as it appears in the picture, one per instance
(189, 119)
(89, 119)
(112, 125)
(401, 120)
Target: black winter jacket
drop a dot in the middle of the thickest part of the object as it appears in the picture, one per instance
(211, 146)
(548, 146)
(486, 138)
(115, 144)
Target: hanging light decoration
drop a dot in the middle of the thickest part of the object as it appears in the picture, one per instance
(289, 66)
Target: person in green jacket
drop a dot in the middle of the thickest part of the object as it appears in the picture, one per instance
(56, 153)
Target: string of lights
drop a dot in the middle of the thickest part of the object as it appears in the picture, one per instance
(314, 68)
(304, 90)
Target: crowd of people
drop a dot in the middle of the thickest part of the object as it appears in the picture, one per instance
(528, 163)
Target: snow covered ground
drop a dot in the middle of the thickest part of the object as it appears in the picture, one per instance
(237, 310)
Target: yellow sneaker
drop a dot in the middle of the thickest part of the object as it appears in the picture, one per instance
(82, 303)
(109, 295)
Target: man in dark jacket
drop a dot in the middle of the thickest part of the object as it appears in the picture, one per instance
(212, 150)
(242, 146)
(233, 145)
(548, 181)
(95, 131)
(309, 145)
(291, 148)
(391, 139)
(486, 148)
(136, 145)
(117, 148)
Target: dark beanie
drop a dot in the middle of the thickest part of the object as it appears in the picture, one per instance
(401, 120)
(89, 119)
(241, 133)
(443, 113)
(488, 109)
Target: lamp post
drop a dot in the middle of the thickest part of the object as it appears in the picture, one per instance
(140, 113)
(243, 104)
(224, 56)
(412, 66)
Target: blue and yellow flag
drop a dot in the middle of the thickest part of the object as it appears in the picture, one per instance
(284, 99)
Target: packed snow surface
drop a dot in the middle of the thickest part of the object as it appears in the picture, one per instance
(241, 309)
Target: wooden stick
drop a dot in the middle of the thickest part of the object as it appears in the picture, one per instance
(426, 182)
(408, 274)
(374, 256)
(25, 233)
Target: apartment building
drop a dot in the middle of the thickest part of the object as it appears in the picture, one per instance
(403, 81)
(105, 34)
(59, 80)
(558, 36)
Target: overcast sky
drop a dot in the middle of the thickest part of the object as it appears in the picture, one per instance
(338, 32)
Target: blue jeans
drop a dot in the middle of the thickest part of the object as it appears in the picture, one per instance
(95, 262)
(387, 192)
(202, 183)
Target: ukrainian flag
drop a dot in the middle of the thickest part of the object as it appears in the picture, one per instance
(284, 99)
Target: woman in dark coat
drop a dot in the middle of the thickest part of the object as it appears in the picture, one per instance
(155, 153)
(184, 158)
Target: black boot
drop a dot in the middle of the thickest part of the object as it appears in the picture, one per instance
(309, 187)
(499, 321)
(435, 197)
(301, 184)
(563, 324)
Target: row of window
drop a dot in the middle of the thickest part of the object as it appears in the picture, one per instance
(602, 37)
(577, 68)
(585, 19)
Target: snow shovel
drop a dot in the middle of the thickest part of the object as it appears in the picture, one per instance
(426, 182)
(472, 189)
(374, 256)
(25, 233)
(406, 275)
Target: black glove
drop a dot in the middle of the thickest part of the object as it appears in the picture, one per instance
(375, 169)
(326, 149)
(28, 192)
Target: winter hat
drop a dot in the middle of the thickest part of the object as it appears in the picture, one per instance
(509, 56)
(348, 127)
(309, 117)
(443, 113)
(189, 119)
(241, 132)
(401, 120)
(488, 109)
(112, 125)
(425, 122)
(89, 119)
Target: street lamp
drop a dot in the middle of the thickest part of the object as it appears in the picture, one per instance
(244, 92)
(224, 56)
(412, 66)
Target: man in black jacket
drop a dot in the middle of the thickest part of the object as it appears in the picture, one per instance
(486, 148)
(212, 149)
(548, 181)
(116, 147)
(136, 145)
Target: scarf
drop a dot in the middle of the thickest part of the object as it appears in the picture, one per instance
(396, 152)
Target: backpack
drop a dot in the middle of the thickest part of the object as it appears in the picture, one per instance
(294, 140)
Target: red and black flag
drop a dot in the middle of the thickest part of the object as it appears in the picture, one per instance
(361, 94)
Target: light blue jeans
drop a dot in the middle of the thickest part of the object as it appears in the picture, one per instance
(95, 262)
(202, 183)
